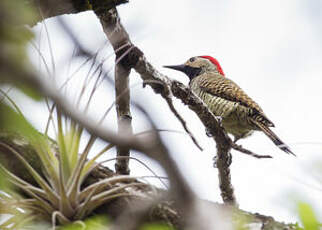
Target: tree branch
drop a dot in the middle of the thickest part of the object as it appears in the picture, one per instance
(118, 36)
(122, 93)
(52, 8)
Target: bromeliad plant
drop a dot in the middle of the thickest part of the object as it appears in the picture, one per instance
(59, 195)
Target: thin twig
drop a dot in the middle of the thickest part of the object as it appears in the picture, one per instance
(241, 149)
(182, 121)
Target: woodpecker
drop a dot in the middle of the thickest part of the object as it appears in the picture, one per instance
(240, 115)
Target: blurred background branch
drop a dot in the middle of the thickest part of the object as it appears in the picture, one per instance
(49, 8)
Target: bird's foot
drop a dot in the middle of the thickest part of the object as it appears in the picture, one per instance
(236, 139)
(215, 162)
(208, 132)
(219, 119)
(228, 162)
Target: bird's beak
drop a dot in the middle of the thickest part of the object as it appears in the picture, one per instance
(181, 68)
(191, 72)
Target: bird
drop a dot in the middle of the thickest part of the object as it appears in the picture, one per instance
(240, 115)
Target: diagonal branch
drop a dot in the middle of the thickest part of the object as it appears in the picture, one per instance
(248, 152)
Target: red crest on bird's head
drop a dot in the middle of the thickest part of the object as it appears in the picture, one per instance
(215, 62)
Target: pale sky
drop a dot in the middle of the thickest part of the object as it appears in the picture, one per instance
(272, 49)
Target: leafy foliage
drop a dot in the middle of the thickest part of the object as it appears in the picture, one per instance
(308, 217)
(59, 196)
(13, 43)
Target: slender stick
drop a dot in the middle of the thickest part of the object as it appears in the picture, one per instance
(118, 37)
(124, 117)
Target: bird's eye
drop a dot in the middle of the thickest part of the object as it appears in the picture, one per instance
(192, 59)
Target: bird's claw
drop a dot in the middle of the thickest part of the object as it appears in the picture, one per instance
(215, 162)
(208, 132)
(236, 139)
(219, 119)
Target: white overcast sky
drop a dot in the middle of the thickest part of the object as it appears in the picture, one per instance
(272, 49)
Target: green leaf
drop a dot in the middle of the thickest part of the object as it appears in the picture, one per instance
(156, 226)
(240, 221)
(308, 217)
(30, 92)
(4, 185)
(14, 38)
(93, 223)
(13, 122)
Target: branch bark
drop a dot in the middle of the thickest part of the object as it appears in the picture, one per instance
(124, 117)
(52, 8)
(119, 39)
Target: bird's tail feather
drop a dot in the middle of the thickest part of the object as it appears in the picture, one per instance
(276, 140)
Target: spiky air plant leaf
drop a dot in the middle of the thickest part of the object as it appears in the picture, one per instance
(91, 162)
(64, 160)
(75, 133)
